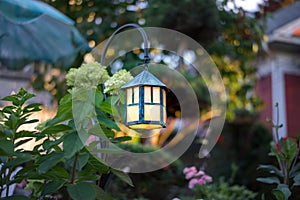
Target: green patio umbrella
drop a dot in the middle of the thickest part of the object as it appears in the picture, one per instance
(31, 30)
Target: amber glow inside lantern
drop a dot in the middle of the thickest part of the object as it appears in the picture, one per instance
(145, 102)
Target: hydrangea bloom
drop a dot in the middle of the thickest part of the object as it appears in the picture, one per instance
(113, 84)
(87, 76)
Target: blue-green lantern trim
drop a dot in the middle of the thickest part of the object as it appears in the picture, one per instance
(141, 104)
(143, 79)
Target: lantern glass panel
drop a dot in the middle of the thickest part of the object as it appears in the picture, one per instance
(152, 112)
(147, 94)
(129, 96)
(136, 95)
(132, 113)
(156, 94)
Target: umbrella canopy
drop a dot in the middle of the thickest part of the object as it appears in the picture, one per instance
(34, 31)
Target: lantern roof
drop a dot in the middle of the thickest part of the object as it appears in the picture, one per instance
(144, 78)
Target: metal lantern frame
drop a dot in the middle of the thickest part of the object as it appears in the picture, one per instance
(145, 95)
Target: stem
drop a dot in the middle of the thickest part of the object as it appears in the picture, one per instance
(277, 124)
(281, 163)
(286, 177)
(74, 168)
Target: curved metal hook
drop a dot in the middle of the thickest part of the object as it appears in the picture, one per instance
(145, 39)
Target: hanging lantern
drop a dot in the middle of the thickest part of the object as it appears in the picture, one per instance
(145, 102)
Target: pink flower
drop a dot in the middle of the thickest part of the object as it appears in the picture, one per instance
(207, 178)
(190, 172)
(200, 173)
(192, 183)
(201, 181)
(196, 177)
(189, 169)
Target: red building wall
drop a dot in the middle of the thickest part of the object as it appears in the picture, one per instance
(292, 98)
(264, 91)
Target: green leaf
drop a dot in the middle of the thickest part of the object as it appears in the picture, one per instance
(72, 143)
(48, 144)
(98, 98)
(64, 111)
(82, 110)
(295, 170)
(96, 130)
(52, 187)
(113, 99)
(297, 180)
(290, 150)
(87, 175)
(25, 133)
(54, 129)
(278, 194)
(269, 180)
(101, 132)
(105, 121)
(108, 133)
(20, 98)
(82, 191)
(24, 95)
(123, 176)
(6, 148)
(20, 142)
(274, 150)
(34, 107)
(58, 173)
(271, 169)
(48, 161)
(12, 98)
(97, 165)
(12, 121)
(101, 194)
(94, 150)
(8, 109)
(282, 192)
(19, 159)
(107, 108)
(23, 121)
(120, 139)
(81, 161)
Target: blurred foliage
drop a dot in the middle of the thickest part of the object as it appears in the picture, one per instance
(59, 165)
(97, 19)
(166, 182)
(230, 35)
(286, 177)
(198, 19)
(222, 190)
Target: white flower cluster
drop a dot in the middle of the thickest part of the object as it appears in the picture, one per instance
(113, 84)
(91, 75)
(87, 76)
